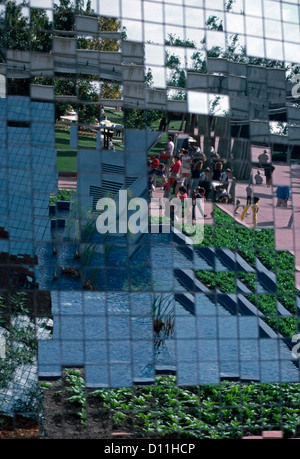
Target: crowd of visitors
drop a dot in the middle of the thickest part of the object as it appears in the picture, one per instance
(190, 169)
(191, 173)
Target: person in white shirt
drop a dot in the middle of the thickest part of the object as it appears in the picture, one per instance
(170, 146)
(186, 164)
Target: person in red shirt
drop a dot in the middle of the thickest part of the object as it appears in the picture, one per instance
(182, 193)
(176, 168)
(175, 172)
(168, 186)
(154, 170)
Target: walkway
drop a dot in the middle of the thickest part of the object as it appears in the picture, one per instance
(67, 183)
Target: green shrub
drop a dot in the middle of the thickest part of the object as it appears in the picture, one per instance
(62, 195)
(227, 410)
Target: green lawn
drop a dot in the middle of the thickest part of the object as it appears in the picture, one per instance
(115, 116)
(66, 156)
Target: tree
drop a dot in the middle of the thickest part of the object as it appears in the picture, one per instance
(106, 24)
(177, 41)
(40, 31)
(141, 119)
(177, 73)
(14, 29)
(64, 15)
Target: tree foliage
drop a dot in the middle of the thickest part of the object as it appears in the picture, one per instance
(141, 119)
(14, 29)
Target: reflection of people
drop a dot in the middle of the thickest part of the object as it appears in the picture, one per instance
(111, 145)
(224, 177)
(249, 192)
(263, 158)
(258, 178)
(254, 211)
(186, 164)
(237, 205)
(196, 153)
(283, 195)
(268, 173)
(204, 181)
(196, 170)
(170, 146)
(217, 171)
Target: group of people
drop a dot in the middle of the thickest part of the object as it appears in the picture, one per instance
(188, 170)
(190, 173)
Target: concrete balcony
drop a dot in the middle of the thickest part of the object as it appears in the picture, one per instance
(43, 93)
(42, 64)
(133, 73)
(87, 24)
(18, 63)
(133, 52)
(134, 95)
(64, 46)
(156, 99)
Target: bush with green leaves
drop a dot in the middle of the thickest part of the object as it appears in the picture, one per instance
(76, 388)
(228, 410)
(20, 336)
(223, 281)
(267, 304)
(248, 242)
(62, 195)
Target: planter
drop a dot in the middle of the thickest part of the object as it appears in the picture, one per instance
(58, 223)
(52, 209)
(63, 205)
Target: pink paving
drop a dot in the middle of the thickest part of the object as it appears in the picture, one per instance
(67, 183)
(269, 435)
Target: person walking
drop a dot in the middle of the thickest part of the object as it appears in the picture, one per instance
(254, 207)
(195, 175)
(249, 192)
(268, 174)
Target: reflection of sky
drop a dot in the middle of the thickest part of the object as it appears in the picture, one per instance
(264, 27)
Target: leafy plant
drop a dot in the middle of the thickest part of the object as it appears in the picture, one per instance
(227, 410)
(77, 390)
(163, 318)
(62, 195)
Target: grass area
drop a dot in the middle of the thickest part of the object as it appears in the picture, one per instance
(248, 242)
(66, 156)
(267, 304)
(115, 116)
